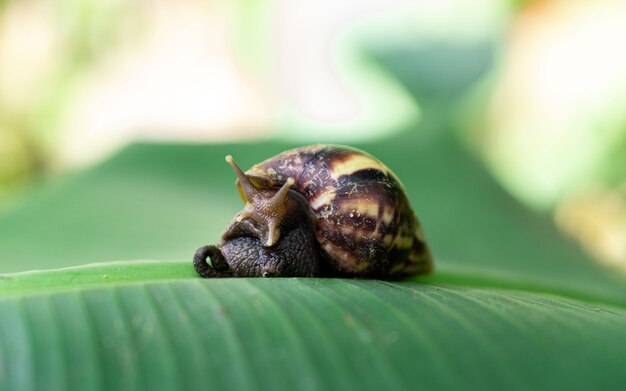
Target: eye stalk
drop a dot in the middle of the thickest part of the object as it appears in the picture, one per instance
(267, 207)
(249, 190)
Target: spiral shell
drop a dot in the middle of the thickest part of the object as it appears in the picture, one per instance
(364, 222)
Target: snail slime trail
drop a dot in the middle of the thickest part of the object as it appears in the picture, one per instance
(319, 211)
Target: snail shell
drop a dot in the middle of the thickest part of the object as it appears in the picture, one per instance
(364, 223)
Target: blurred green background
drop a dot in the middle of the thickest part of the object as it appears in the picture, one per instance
(504, 119)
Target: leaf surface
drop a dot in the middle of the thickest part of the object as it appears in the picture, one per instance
(300, 333)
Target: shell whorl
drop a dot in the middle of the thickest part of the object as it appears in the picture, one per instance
(364, 222)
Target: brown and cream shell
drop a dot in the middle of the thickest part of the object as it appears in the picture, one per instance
(364, 221)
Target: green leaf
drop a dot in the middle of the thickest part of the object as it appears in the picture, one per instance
(94, 275)
(182, 333)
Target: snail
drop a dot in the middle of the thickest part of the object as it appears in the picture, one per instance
(319, 211)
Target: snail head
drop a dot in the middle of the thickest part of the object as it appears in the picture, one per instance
(268, 208)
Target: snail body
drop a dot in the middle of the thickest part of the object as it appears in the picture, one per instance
(321, 210)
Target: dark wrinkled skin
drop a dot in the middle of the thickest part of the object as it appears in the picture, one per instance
(242, 253)
(289, 257)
